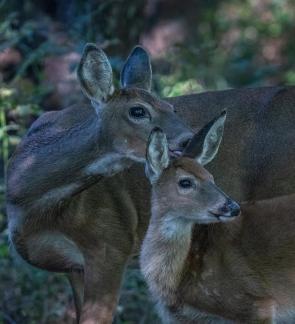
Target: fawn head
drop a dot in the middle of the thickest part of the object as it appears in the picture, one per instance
(128, 114)
(183, 188)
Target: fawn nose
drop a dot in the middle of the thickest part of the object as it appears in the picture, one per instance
(231, 208)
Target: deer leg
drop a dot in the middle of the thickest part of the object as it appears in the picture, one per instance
(76, 279)
(102, 278)
(52, 251)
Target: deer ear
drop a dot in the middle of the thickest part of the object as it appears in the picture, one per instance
(95, 74)
(137, 70)
(204, 145)
(157, 155)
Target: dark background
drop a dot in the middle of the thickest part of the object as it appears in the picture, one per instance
(195, 46)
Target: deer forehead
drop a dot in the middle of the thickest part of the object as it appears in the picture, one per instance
(191, 167)
(140, 96)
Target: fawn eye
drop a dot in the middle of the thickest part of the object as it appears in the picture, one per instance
(138, 112)
(186, 183)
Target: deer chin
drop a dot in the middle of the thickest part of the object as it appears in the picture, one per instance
(210, 218)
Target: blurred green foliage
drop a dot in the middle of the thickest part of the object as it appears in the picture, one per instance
(235, 44)
(232, 43)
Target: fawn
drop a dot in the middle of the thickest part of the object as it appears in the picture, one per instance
(205, 259)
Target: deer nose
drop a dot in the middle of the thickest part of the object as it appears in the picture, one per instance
(184, 142)
(178, 145)
(231, 207)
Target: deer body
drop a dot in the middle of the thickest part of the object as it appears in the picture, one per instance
(202, 262)
(68, 151)
(258, 151)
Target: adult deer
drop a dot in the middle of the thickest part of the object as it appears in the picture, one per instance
(67, 151)
(110, 217)
(201, 267)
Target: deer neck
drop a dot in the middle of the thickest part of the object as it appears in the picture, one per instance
(164, 253)
(108, 161)
(108, 164)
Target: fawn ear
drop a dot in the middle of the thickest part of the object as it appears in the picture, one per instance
(157, 155)
(137, 70)
(95, 74)
(204, 145)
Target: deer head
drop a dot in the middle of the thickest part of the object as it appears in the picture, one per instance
(128, 115)
(183, 188)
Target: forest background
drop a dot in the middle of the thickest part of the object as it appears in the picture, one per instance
(195, 46)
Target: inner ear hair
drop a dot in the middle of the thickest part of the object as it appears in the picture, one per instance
(212, 140)
(157, 156)
(204, 145)
(95, 74)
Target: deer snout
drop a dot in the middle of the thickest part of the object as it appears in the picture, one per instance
(179, 144)
(228, 211)
(230, 208)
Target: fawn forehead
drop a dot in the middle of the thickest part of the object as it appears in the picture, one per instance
(191, 166)
(140, 96)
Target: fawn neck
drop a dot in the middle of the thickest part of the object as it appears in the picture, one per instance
(174, 245)
(164, 253)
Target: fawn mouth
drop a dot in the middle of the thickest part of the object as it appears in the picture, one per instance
(223, 217)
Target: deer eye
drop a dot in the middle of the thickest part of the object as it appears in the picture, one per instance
(138, 112)
(186, 183)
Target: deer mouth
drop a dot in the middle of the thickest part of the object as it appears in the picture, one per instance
(177, 149)
(175, 153)
(223, 217)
